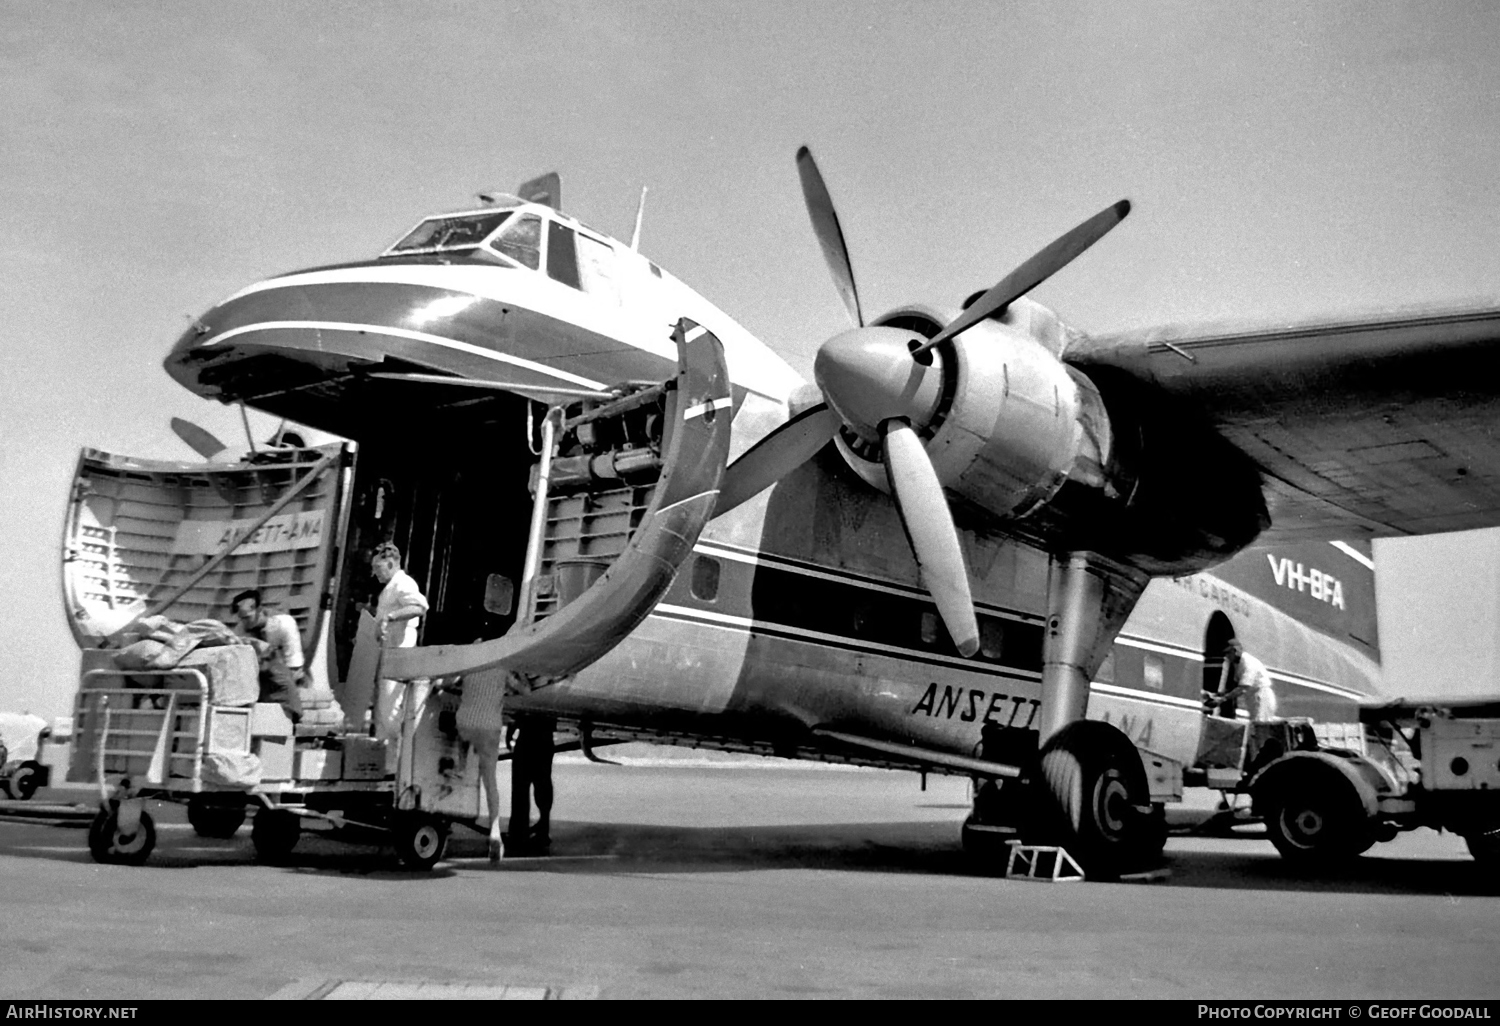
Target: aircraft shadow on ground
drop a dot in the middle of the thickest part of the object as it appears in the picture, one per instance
(922, 847)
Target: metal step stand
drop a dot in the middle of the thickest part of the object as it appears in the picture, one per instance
(1045, 862)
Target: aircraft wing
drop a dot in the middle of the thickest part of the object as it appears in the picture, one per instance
(1378, 425)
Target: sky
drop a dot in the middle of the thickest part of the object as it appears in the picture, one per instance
(1284, 160)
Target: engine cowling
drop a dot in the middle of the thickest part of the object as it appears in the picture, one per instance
(1021, 437)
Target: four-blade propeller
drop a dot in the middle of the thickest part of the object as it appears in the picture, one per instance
(878, 383)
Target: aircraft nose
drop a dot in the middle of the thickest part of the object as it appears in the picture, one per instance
(868, 376)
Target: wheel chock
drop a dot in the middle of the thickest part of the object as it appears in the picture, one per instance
(1046, 862)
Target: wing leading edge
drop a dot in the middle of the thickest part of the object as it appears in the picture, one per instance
(1379, 425)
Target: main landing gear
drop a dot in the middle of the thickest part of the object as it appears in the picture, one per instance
(1086, 789)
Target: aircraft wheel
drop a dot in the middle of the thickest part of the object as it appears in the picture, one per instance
(214, 819)
(1093, 789)
(108, 845)
(274, 834)
(1317, 821)
(24, 781)
(1485, 847)
(421, 840)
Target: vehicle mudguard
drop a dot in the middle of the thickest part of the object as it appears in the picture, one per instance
(1362, 776)
(696, 448)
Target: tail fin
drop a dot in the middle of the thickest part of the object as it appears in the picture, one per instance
(1329, 586)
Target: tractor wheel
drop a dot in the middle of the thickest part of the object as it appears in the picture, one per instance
(108, 845)
(1093, 800)
(1317, 820)
(214, 819)
(420, 840)
(274, 834)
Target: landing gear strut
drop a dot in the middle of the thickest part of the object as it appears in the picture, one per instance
(1088, 791)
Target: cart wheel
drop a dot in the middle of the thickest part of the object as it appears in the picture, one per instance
(23, 783)
(213, 819)
(111, 847)
(420, 840)
(274, 833)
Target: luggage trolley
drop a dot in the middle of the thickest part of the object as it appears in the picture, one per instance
(159, 735)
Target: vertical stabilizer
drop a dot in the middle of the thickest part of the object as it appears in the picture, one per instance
(1329, 586)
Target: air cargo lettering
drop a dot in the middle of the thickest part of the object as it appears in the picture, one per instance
(1221, 595)
(1314, 582)
(968, 703)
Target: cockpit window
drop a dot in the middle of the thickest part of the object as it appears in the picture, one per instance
(521, 241)
(455, 232)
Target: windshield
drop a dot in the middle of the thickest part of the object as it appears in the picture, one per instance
(453, 232)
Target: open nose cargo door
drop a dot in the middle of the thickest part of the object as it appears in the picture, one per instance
(181, 539)
(623, 490)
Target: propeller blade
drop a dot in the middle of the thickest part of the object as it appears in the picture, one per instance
(777, 455)
(825, 222)
(929, 527)
(1047, 262)
(197, 438)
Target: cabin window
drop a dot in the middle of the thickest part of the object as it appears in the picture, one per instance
(461, 231)
(562, 254)
(705, 581)
(929, 629)
(991, 638)
(596, 269)
(1106, 674)
(1153, 671)
(521, 241)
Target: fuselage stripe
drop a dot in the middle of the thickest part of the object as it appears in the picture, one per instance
(755, 558)
(406, 333)
(787, 632)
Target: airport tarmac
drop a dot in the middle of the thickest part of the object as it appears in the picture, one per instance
(693, 879)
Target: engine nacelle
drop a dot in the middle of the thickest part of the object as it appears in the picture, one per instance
(1076, 464)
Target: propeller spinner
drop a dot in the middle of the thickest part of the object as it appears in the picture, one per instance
(884, 384)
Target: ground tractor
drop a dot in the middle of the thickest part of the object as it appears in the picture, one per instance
(1330, 793)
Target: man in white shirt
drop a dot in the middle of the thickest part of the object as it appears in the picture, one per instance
(400, 605)
(1249, 677)
(279, 644)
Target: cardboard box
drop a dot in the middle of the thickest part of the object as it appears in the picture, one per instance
(228, 730)
(269, 719)
(275, 755)
(319, 764)
(364, 759)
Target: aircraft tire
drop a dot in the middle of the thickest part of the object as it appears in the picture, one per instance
(1092, 789)
(212, 819)
(274, 834)
(109, 846)
(1316, 819)
(421, 841)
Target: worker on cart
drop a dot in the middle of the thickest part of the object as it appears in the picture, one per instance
(397, 611)
(1246, 675)
(278, 643)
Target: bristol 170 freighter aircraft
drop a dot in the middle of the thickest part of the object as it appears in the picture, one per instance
(649, 527)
